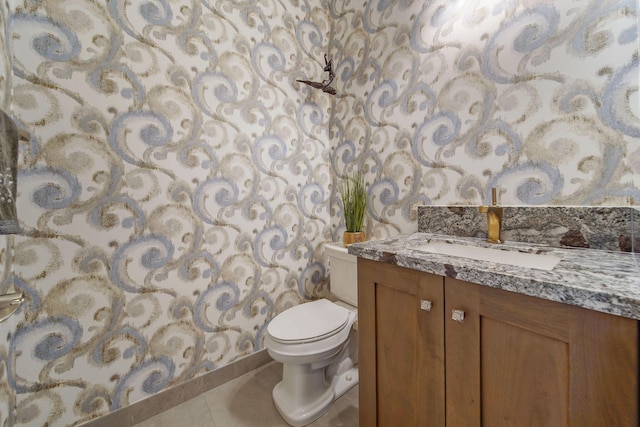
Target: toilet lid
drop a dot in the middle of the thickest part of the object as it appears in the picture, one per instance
(307, 322)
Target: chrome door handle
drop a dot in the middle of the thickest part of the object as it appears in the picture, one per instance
(9, 303)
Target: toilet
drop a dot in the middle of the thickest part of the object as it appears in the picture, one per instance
(317, 344)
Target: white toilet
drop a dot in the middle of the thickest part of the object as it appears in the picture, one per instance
(317, 345)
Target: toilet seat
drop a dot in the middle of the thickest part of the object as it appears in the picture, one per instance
(309, 322)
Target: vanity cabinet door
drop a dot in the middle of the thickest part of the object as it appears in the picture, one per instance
(515, 360)
(401, 346)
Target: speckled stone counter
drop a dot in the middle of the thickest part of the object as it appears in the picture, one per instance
(602, 280)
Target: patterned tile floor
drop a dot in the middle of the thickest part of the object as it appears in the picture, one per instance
(246, 402)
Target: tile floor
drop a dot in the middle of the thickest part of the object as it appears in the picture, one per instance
(246, 402)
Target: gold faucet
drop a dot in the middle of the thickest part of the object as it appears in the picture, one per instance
(494, 219)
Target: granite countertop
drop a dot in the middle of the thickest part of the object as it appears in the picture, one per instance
(601, 280)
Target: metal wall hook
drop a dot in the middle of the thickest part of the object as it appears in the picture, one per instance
(9, 303)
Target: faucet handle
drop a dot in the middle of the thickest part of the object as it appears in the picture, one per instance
(494, 218)
(494, 201)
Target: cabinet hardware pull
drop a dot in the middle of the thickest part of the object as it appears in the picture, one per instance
(457, 315)
(425, 305)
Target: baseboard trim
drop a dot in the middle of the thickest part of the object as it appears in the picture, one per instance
(167, 399)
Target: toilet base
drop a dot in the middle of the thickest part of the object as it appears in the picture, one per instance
(301, 402)
(345, 382)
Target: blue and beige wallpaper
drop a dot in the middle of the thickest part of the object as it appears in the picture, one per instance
(443, 100)
(179, 184)
(174, 194)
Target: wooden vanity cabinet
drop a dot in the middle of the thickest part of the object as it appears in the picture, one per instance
(509, 359)
(517, 360)
(401, 346)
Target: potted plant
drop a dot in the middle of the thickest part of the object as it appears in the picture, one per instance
(354, 202)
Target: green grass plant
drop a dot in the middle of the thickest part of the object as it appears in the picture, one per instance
(354, 201)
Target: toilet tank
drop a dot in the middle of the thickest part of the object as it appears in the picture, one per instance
(343, 268)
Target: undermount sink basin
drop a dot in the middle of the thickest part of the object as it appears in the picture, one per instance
(514, 258)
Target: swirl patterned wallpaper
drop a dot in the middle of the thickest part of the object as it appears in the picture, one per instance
(179, 183)
(443, 100)
(175, 192)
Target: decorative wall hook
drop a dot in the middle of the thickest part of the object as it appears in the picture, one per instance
(325, 85)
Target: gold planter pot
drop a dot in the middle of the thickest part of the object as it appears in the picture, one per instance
(352, 237)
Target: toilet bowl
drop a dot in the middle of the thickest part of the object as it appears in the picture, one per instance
(317, 346)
